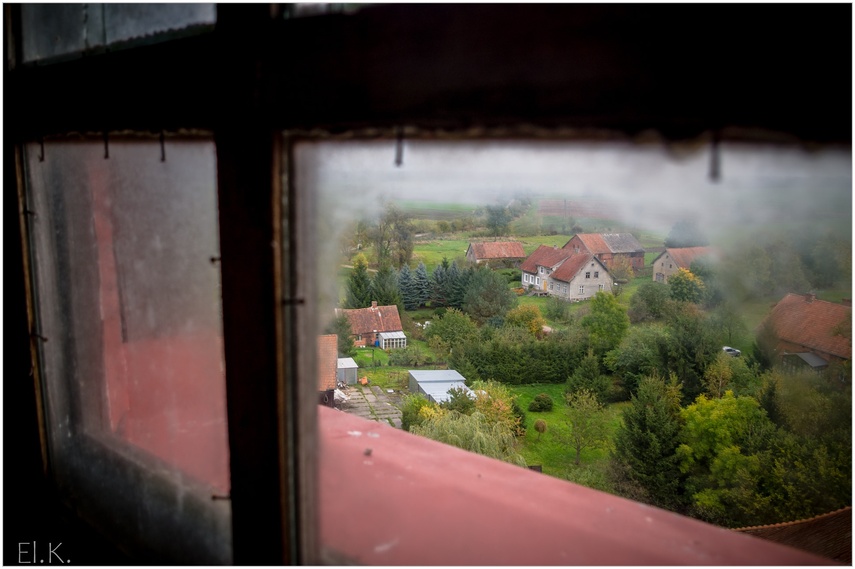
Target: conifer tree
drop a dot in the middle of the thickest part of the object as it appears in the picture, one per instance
(421, 285)
(384, 287)
(646, 442)
(406, 286)
(358, 285)
(438, 284)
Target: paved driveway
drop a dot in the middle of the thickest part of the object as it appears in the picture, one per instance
(373, 403)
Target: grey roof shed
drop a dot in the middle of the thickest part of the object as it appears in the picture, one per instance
(434, 384)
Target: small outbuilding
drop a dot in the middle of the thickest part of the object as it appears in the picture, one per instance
(347, 371)
(434, 384)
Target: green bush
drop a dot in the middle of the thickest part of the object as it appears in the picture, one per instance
(410, 408)
(542, 402)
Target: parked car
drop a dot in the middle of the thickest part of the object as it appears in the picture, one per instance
(731, 351)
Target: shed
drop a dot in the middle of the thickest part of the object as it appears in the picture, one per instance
(434, 384)
(347, 371)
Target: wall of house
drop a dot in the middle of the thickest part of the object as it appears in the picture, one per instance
(592, 285)
(664, 266)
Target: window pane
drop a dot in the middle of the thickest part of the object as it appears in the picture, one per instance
(56, 30)
(129, 301)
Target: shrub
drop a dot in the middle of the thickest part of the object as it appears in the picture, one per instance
(541, 402)
(540, 427)
(410, 410)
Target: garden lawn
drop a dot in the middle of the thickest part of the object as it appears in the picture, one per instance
(556, 456)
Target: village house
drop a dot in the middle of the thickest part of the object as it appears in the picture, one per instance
(672, 260)
(375, 326)
(609, 247)
(580, 277)
(565, 274)
(327, 368)
(540, 264)
(508, 253)
(811, 334)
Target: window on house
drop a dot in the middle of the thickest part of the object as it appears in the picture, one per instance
(602, 287)
(581, 289)
(538, 281)
(588, 275)
(596, 274)
(565, 289)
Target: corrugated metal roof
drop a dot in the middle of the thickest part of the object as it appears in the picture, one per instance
(392, 335)
(812, 360)
(433, 375)
(436, 383)
(346, 363)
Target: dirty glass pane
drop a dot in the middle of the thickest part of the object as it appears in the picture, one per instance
(129, 305)
(130, 21)
(57, 30)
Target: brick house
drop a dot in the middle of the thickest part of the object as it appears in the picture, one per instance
(496, 252)
(609, 247)
(375, 326)
(811, 334)
(672, 260)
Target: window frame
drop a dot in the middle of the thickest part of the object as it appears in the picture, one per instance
(209, 77)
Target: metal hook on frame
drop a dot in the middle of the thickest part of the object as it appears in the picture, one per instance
(715, 157)
(162, 148)
(41, 149)
(106, 145)
(399, 147)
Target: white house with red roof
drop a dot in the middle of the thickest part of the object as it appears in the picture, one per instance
(565, 273)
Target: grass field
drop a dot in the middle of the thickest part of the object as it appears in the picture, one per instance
(551, 449)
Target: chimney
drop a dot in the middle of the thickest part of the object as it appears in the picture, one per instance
(373, 304)
(810, 297)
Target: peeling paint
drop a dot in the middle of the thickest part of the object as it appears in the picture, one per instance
(355, 433)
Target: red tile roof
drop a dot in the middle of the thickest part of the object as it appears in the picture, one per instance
(327, 361)
(685, 256)
(498, 250)
(367, 320)
(829, 535)
(545, 256)
(814, 324)
(571, 267)
(594, 243)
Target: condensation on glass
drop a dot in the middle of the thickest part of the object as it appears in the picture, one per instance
(59, 30)
(129, 308)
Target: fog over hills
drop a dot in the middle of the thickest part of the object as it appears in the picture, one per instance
(646, 185)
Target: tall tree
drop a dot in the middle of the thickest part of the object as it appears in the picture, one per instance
(358, 284)
(487, 296)
(607, 322)
(341, 328)
(643, 352)
(648, 302)
(392, 237)
(384, 287)
(498, 219)
(439, 288)
(421, 285)
(587, 377)
(721, 448)
(646, 442)
(456, 282)
(587, 421)
(407, 288)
